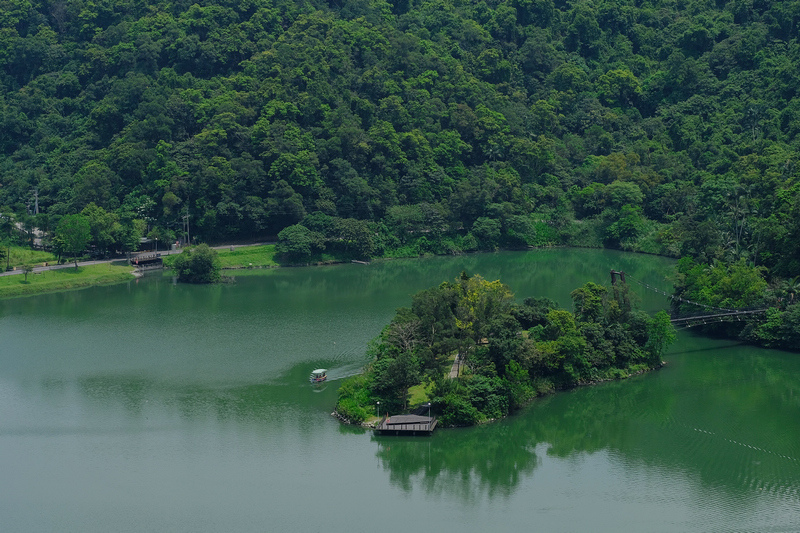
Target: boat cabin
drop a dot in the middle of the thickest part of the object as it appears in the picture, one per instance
(318, 376)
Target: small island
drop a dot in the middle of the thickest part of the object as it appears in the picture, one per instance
(468, 352)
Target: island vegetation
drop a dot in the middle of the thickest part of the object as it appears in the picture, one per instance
(506, 353)
(197, 264)
(373, 128)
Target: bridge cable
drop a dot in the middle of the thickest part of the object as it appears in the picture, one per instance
(682, 300)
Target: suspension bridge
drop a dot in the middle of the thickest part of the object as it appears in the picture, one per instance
(711, 315)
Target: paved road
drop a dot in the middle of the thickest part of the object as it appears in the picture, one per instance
(87, 263)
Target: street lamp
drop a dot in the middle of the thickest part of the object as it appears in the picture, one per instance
(430, 423)
(379, 409)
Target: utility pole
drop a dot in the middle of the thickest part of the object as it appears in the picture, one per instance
(186, 226)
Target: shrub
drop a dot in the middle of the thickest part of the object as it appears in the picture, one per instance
(348, 408)
(198, 264)
(458, 411)
(298, 243)
(355, 402)
(357, 388)
(544, 386)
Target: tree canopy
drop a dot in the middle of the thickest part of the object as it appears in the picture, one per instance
(435, 127)
(72, 236)
(507, 352)
(368, 128)
(197, 264)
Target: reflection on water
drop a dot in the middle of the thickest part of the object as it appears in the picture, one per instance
(194, 402)
(493, 458)
(728, 427)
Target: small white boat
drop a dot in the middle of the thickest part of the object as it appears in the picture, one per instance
(318, 376)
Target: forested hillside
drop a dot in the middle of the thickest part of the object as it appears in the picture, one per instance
(368, 127)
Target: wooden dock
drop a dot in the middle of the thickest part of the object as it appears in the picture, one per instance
(406, 425)
(147, 261)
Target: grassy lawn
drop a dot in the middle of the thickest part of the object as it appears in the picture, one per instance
(107, 274)
(241, 257)
(63, 279)
(419, 394)
(249, 256)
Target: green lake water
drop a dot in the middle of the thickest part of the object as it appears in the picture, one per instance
(152, 406)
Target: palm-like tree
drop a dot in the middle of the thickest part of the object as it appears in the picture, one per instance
(793, 288)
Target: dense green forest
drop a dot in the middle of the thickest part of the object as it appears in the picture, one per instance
(509, 352)
(362, 128)
(372, 127)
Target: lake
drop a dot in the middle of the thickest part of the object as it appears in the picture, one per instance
(154, 406)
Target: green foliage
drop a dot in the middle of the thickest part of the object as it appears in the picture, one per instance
(660, 334)
(354, 403)
(393, 373)
(510, 352)
(416, 128)
(248, 257)
(737, 285)
(16, 256)
(27, 268)
(734, 286)
(779, 328)
(521, 388)
(297, 243)
(197, 264)
(64, 279)
(72, 236)
(457, 410)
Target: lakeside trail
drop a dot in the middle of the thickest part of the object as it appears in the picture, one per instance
(103, 261)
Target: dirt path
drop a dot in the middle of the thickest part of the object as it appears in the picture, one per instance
(456, 366)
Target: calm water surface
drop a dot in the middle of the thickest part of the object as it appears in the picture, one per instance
(160, 407)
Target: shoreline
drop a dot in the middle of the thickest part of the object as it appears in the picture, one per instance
(52, 280)
(30, 288)
(98, 273)
(371, 423)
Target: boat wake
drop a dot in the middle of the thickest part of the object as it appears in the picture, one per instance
(344, 364)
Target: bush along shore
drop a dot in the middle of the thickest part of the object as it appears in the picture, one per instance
(475, 354)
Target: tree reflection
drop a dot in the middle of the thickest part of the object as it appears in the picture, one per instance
(724, 422)
(467, 462)
(721, 415)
